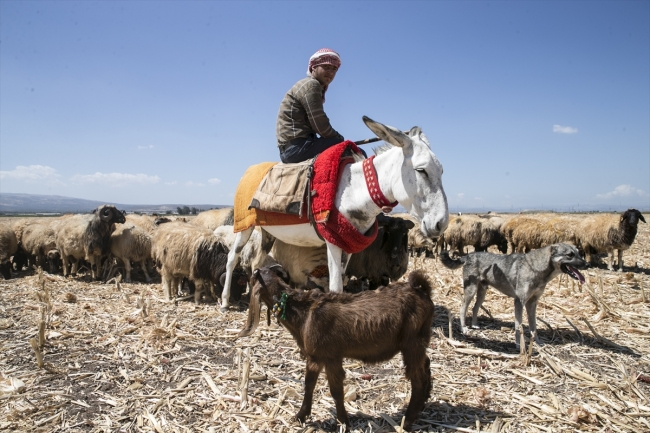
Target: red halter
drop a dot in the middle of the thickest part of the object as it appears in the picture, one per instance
(378, 197)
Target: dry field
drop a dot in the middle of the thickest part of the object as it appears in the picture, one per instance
(116, 357)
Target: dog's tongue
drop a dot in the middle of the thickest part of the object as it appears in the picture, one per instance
(576, 274)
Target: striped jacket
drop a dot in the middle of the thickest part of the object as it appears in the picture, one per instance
(301, 113)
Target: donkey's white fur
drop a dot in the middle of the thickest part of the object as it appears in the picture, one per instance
(408, 172)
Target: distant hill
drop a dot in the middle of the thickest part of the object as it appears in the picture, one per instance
(34, 203)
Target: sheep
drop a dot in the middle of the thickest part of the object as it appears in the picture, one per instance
(473, 230)
(22, 258)
(491, 234)
(387, 258)
(417, 242)
(8, 247)
(384, 260)
(526, 233)
(252, 256)
(371, 326)
(211, 219)
(39, 241)
(130, 242)
(306, 266)
(606, 233)
(145, 222)
(87, 236)
(185, 250)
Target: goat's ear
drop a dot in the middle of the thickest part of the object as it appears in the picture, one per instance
(282, 273)
(641, 217)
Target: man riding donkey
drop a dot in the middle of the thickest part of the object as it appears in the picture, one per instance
(303, 129)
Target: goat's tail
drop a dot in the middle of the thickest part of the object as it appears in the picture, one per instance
(451, 263)
(419, 281)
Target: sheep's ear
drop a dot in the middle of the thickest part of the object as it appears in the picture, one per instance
(409, 224)
(641, 217)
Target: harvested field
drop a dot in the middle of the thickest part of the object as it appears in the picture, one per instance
(116, 357)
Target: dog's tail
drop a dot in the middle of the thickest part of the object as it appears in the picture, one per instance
(449, 262)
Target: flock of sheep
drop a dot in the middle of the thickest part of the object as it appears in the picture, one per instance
(196, 251)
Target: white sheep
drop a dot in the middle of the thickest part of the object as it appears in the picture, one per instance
(8, 247)
(39, 241)
(131, 243)
(213, 218)
(185, 250)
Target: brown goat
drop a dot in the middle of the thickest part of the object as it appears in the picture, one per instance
(371, 326)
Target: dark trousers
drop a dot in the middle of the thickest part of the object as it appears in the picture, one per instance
(302, 149)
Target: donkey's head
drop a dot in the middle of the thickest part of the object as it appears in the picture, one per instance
(415, 175)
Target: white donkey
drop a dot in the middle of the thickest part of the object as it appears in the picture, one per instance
(408, 172)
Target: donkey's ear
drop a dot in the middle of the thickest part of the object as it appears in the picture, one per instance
(387, 133)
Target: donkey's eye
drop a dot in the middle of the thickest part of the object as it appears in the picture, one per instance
(422, 171)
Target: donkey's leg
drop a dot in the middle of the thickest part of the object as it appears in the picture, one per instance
(233, 257)
(336, 268)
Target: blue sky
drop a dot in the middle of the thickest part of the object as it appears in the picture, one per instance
(527, 104)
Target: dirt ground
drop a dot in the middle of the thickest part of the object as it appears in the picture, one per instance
(117, 357)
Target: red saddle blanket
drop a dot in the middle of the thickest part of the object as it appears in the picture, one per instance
(330, 223)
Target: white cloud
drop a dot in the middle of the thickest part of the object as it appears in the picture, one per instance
(214, 181)
(460, 196)
(478, 199)
(145, 147)
(623, 191)
(193, 184)
(33, 174)
(115, 179)
(171, 183)
(564, 129)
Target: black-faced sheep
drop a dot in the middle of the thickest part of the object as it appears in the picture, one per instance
(387, 258)
(185, 250)
(370, 326)
(87, 237)
(131, 243)
(8, 247)
(606, 233)
(211, 219)
(417, 242)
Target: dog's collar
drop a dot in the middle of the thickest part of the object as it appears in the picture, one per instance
(378, 197)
